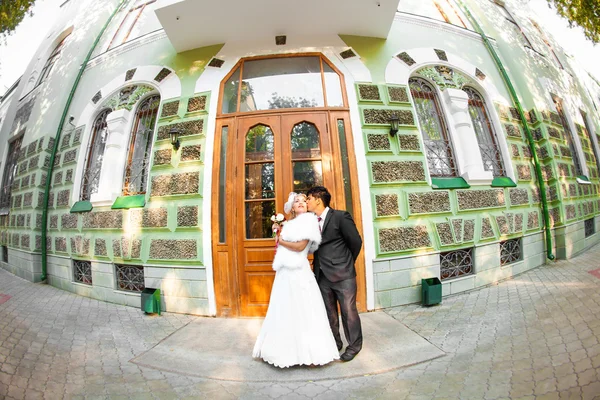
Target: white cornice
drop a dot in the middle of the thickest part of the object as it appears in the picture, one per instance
(440, 26)
(133, 44)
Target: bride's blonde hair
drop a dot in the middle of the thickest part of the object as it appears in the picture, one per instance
(288, 207)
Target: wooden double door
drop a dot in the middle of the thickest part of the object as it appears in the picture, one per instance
(258, 161)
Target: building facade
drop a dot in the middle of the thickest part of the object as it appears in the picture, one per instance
(149, 142)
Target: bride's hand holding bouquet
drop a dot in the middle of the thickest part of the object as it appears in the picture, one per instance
(277, 220)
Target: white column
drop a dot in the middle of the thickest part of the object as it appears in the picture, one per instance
(467, 154)
(115, 151)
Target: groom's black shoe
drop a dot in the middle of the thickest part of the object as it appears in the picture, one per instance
(347, 356)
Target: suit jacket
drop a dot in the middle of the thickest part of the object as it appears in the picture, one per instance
(340, 246)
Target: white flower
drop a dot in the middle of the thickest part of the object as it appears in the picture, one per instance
(280, 217)
(273, 218)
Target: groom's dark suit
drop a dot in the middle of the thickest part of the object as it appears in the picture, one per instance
(334, 269)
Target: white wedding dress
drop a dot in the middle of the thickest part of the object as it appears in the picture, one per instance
(296, 329)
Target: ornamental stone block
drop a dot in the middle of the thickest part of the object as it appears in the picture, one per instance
(445, 233)
(162, 157)
(403, 238)
(378, 142)
(68, 221)
(187, 216)
(191, 153)
(470, 199)
(518, 196)
(149, 217)
(173, 249)
(103, 220)
(397, 171)
(183, 183)
(100, 247)
(486, 229)
(429, 202)
(387, 204)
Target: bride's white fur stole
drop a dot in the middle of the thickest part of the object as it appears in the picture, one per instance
(303, 227)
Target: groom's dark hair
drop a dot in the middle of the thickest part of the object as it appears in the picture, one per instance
(320, 192)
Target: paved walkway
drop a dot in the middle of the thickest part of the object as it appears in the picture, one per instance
(532, 337)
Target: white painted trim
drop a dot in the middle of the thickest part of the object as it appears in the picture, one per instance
(124, 48)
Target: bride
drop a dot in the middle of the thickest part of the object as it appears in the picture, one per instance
(296, 329)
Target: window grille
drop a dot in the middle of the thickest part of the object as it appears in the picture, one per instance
(130, 278)
(10, 171)
(82, 272)
(95, 154)
(486, 136)
(440, 155)
(510, 251)
(590, 227)
(456, 263)
(509, 17)
(568, 135)
(52, 58)
(140, 147)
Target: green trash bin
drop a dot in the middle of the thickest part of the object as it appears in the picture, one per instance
(431, 290)
(151, 300)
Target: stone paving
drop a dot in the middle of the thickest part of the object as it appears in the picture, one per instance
(536, 336)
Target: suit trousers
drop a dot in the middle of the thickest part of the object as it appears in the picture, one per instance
(343, 292)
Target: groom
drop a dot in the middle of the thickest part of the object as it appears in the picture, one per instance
(334, 268)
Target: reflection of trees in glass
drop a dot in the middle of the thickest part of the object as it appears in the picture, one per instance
(258, 222)
(305, 141)
(260, 181)
(290, 102)
(307, 174)
(428, 118)
(259, 143)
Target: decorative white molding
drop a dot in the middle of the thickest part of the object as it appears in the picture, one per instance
(440, 26)
(124, 48)
(466, 145)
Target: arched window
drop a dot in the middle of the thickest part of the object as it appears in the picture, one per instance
(140, 145)
(484, 131)
(95, 155)
(440, 156)
(51, 60)
(568, 135)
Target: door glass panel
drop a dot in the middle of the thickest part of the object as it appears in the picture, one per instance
(306, 157)
(333, 87)
(258, 219)
(223, 183)
(305, 141)
(290, 82)
(306, 175)
(259, 144)
(259, 182)
(345, 166)
(230, 93)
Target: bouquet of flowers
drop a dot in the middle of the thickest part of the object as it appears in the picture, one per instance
(277, 220)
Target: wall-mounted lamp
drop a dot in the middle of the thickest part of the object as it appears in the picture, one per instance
(394, 122)
(174, 134)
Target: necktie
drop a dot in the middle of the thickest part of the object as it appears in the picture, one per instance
(319, 219)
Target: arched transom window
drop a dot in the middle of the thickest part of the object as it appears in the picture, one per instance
(440, 155)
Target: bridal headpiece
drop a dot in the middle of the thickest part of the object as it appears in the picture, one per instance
(287, 207)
